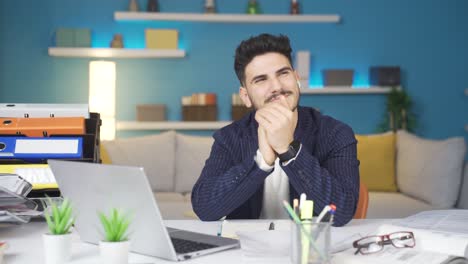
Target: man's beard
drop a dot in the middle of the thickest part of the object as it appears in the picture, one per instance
(273, 96)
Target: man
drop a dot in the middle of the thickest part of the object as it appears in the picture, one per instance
(278, 151)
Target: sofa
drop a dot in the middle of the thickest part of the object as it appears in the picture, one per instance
(173, 162)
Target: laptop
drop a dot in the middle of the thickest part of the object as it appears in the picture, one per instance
(94, 188)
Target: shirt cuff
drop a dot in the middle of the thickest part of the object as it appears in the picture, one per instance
(289, 161)
(261, 163)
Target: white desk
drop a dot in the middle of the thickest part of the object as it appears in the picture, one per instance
(25, 243)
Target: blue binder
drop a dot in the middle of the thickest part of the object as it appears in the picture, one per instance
(41, 147)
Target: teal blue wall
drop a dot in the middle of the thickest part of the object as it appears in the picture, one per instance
(427, 38)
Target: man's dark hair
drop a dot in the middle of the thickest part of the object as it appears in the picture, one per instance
(259, 45)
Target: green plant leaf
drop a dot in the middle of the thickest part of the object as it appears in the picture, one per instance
(55, 217)
(59, 218)
(63, 207)
(50, 224)
(398, 107)
(65, 219)
(106, 225)
(115, 225)
(123, 229)
(67, 228)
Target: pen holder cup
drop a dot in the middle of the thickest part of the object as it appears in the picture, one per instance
(310, 243)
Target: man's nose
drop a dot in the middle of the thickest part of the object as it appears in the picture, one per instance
(275, 85)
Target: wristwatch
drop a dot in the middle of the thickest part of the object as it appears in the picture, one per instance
(292, 151)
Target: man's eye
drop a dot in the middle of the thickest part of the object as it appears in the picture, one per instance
(259, 80)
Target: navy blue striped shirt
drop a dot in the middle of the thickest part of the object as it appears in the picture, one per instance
(326, 169)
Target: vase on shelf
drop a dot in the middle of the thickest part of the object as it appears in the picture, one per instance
(210, 7)
(253, 7)
(294, 7)
(152, 6)
(117, 41)
(133, 6)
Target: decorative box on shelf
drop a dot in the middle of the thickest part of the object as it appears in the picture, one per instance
(166, 39)
(73, 37)
(341, 77)
(151, 112)
(199, 112)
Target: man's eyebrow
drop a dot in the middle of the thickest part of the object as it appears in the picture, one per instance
(258, 77)
(284, 69)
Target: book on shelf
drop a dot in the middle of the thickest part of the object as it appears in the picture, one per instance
(199, 99)
(200, 107)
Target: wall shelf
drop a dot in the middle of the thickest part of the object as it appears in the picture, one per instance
(114, 53)
(168, 125)
(347, 90)
(227, 18)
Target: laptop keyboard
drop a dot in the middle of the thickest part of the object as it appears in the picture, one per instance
(185, 246)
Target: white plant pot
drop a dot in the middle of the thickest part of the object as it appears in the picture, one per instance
(114, 252)
(57, 248)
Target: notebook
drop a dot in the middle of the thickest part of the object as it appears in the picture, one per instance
(94, 188)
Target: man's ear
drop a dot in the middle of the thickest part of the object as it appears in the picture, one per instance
(245, 97)
(297, 79)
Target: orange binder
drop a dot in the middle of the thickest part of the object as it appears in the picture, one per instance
(42, 127)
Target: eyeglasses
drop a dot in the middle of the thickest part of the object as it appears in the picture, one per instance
(373, 244)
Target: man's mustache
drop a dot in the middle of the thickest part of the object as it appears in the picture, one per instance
(273, 96)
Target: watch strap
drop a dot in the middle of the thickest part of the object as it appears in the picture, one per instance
(291, 153)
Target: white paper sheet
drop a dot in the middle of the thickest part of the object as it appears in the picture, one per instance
(231, 227)
(391, 255)
(453, 221)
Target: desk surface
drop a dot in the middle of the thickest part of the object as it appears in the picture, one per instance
(25, 243)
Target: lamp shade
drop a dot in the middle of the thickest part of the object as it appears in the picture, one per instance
(102, 95)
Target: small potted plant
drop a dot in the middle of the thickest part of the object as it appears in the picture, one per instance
(57, 243)
(398, 112)
(114, 249)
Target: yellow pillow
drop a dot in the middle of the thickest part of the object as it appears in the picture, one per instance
(104, 155)
(376, 154)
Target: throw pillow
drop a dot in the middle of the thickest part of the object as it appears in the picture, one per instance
(104, 154)
(191, 153)
(376, 154)
(155, 153)
(430, 170)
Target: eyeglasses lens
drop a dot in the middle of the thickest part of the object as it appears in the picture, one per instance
(370, 245)
(402, 239)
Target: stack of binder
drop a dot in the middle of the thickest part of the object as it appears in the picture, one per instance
(15, 207)
(30, 134)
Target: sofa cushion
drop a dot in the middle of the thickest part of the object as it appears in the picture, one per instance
(168, 197)
(430, 170)
(156, 153)
(176, 210)
(394, 205)
(105, 159)
(376, 154)
(191, 153)
(463, 196)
